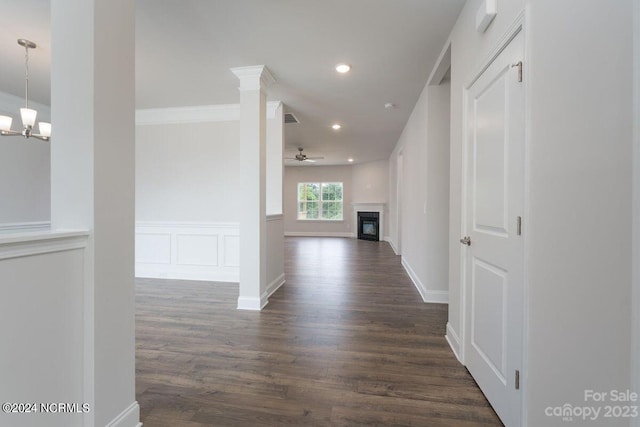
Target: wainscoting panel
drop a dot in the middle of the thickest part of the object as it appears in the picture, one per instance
(189, 251)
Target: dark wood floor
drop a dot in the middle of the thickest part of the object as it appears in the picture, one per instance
(345, 342)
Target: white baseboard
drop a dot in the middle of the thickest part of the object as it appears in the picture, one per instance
(439, 297)
(19, 227)
(454, 342)
(392, 244)
(254, 304)
(317, 234)
(130, 417)
(257, 304)
(274, 286)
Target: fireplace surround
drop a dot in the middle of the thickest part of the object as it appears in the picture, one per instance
(377, 208)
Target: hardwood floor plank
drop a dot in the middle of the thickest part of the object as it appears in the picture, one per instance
(347, 341)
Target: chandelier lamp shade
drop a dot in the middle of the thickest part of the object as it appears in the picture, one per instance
(27, 114)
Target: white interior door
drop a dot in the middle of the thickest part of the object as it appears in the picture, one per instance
(493, 261)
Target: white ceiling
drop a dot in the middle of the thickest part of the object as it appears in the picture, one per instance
(184, 50)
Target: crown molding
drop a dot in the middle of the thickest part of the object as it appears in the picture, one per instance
(197, 114)
(272, 109)
(255, 77)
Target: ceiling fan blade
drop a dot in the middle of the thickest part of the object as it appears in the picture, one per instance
(309, 160)
(315, 158)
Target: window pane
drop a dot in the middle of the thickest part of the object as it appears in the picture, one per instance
(320, 200)
(332, 210)
(308, 191)
(313, 210)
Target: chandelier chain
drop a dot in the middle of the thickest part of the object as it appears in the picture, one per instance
(26, 76)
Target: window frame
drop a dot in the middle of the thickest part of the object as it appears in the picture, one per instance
(320, 202)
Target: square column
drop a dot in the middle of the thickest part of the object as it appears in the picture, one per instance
(92, 187)
(253, 221)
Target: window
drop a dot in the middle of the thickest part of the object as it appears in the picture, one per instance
(320, 201)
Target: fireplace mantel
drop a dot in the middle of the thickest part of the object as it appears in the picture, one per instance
(370, 207)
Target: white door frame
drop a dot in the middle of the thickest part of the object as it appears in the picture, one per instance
(399, 185)
(514, 29)
(635, 250)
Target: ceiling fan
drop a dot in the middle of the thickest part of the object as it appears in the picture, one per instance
(301, 157)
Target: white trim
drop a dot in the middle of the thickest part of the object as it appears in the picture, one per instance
(25, 226)
(437, 297)
(183, 224)
(272, 109)
(29, 244)
(635, 250)
(501, 44)
(454, 342)
(528, 79)
(273, 287)
(317, 234)
(130, 417)
(254, 304)
(379, 207)
(196, 114)
(255, 77)
(442, 65)
(392, 244)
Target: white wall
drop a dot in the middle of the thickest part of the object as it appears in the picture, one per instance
(295, 174)
(188, 198)
(579, 241)
(578, 244)
(363, 183)
(437, 201)
(92, 186)
(188, 172)
(635, 339)
(42, 301)
(370, 182)
(25, 188)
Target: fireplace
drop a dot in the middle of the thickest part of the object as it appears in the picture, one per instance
(369, 226)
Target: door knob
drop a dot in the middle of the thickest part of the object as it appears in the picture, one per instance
(466, 240)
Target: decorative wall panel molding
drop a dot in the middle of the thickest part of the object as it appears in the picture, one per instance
(188, 251)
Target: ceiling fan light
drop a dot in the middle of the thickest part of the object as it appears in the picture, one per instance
(45, 129)
(5, 123)
(28, 117)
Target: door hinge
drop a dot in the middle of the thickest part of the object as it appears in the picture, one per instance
(519, 226)
(517, 380)
(519, 65)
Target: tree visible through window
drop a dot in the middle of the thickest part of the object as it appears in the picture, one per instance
(320, 201)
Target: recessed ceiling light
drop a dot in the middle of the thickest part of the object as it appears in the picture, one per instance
(389, 105)
(350, 160)
(343, 68)
(336, 126)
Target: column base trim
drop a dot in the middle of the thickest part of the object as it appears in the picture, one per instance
(130, 417)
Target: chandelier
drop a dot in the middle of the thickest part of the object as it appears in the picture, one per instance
(28, 115)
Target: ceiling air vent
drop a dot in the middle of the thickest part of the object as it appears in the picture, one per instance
(290, 118)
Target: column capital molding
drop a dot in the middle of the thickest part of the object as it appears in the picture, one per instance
(255, 77)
